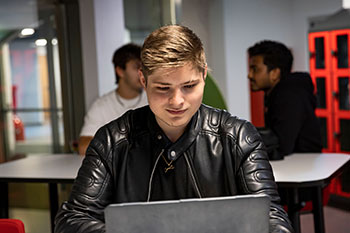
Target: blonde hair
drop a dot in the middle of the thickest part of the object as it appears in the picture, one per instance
(172, 46)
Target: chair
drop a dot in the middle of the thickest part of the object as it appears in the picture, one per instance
(11, 226)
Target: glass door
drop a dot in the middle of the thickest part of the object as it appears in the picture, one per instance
(31, 101)
(40, 51)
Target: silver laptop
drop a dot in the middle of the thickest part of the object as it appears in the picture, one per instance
(241, 214)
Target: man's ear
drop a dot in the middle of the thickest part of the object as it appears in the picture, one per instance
(142, 79)
(205, 71)
(275, 75)
(119, 71)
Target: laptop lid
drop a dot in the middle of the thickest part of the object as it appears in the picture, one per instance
(243, 214)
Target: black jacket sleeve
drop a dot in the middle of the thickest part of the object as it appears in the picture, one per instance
(255, 176)
(91, 193)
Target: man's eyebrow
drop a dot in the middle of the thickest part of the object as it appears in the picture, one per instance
(168, 84)
(161, 83)
(191, 81)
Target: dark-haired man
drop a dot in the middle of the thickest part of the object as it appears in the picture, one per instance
(289, 97)
(128, 94)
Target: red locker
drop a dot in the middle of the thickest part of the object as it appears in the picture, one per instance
(320, 71)
(330, 71)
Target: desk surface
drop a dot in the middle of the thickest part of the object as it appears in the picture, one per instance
(42, 168)
(308, 167)
(295, 168)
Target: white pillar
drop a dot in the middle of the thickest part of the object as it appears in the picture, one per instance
(102, 32)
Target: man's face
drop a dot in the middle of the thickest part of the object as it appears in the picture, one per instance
(174, 95)
(131, 76)
(259, 76)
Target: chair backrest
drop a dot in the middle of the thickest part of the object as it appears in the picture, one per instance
(11, 226)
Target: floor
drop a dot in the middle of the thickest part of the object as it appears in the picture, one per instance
(337, 220)
(35, 220)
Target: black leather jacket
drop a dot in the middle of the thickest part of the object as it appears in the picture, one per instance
(218, 155)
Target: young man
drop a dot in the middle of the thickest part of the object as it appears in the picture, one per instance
(175, 148)
(112, 105)
(289, 98)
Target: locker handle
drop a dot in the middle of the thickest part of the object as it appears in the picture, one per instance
(335, 94)
(334, 53)
(336, 135)
(312, 54)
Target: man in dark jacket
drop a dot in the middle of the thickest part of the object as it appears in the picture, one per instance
(175, 148)
(289, 99)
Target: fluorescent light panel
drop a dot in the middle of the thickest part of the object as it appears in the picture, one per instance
(346, 4)
(40, 42)
(27, 31)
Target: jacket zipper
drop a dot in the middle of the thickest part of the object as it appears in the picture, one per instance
(192, 176)
(151, 178)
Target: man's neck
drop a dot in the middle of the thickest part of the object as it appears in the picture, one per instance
(174, 135)
(268, 91)
(127, 93)
(172, 132)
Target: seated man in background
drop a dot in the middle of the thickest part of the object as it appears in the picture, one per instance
(175, 148)
(128, 94)
(289, 98)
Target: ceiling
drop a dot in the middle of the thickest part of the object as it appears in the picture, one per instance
(18, 14)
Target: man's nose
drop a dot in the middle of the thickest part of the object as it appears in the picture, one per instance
(250, 76)
(176, 97)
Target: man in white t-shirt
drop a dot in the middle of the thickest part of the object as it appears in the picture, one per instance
(128, 95)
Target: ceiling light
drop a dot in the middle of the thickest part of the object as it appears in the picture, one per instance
(41, 42)
(27, 32)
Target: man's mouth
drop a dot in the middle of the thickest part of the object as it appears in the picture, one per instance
(176, 112)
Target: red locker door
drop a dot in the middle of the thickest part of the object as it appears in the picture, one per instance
(340, 47)
(320, 71)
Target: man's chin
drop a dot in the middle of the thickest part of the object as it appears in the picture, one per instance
(255, 89)
(176, 121)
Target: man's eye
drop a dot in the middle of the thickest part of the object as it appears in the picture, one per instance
(190, 86)
(163, 88)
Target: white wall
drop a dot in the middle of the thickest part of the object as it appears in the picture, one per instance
(102, 31)
(302, 11)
